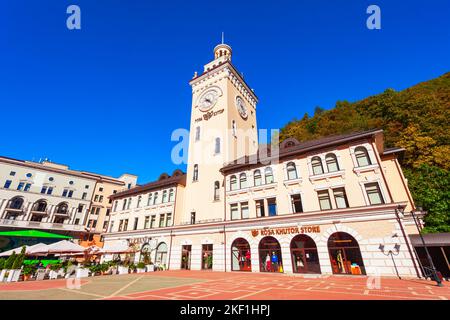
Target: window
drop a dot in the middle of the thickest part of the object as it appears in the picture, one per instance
(105, 225)
(260, 212)
(161, 220)
(296, 201)
(27, 187)
(71, 182)
(65, 191)
(243, 180)
(169, 220)
(77, 221)
(29, 175)
(152, 222)
(341, 198)
(120, 225)
(129, 186)
(217, 146)
(20, 186)
(12, 173)
(96, 198)
(115, 206)
(374, 193)
(149, 199)
(44, 189)
(331, 161)
(324, 200)
(100, 199)
(316, 164)
(234, 211)
(156, 198)
(125, 225)
(195, 178)
(171, 195)
(268, 175)
(100, 189)
(84, 196)
(80, 208)
(50, 190)
(291, 171)
(362, 157)
(272, 205)
(124, 204)
(216, 190)
(233, 183)
(146, 222)
(164, 196)
(70, 194)
(192, 217)
(129, 204)
(111, 226)
(7, 184)
(139, 201)
(233, 127)
(136, 221)
(108, 211)
(86, 186)
(257, 177)
(244, 210)
(197, 133)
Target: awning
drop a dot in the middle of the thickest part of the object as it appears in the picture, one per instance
(431, 239)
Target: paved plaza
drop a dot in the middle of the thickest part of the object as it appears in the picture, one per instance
(198, 285)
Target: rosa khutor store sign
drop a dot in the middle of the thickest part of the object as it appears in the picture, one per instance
(287, 230)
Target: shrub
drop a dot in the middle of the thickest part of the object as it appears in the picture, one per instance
(141, 265)
(2, 263)
(9, 262)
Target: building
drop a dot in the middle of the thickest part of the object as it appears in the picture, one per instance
(50, 197)
(334, 205)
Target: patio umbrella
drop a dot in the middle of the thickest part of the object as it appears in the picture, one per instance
(28, 250)
(61, 247)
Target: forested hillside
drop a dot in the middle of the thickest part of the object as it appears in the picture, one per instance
(416, 119)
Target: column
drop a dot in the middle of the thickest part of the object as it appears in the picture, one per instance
(27, 215)
(4, 203)
(51, 213)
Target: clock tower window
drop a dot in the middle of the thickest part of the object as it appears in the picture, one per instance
(233, 127)
(217, 146)
(195, 178)
(197, 133)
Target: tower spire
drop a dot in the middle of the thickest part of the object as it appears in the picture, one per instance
(223, 38)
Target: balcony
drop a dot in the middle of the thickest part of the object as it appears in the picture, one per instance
(40, 225)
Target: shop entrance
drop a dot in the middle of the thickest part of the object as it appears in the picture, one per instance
(161, 255)
(240, 255)
(345, 254)
(305, 258)
(207, 256)
(186, 257)
(270, 255)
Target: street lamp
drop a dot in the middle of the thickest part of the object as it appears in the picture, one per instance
(392, 253)
(430, 261)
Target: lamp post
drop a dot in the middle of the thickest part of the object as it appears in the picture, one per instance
(430, 261)
(392, 254)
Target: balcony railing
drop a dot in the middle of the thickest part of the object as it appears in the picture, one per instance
(40, 225)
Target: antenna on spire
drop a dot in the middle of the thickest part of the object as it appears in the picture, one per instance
(222, 38)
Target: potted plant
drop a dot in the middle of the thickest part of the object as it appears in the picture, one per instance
(132, 268)
(83, 271)
(141, 267)
(112, 266)
(149, 266)
(2, 269)
(123, 268)
(28, 271)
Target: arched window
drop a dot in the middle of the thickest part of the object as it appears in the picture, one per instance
(197, 133)
(149, 199)
(305, 258)
(332, 164)
(62, 208)
(270, 258)
(161, 254)
(362, 157)
(216, 190)
(16, 203)
(195, 178)
(155, 198)
(345, 255)
(171, 194)
(139, 201)
(240, 255)
(124, 206)
(40, 206)
(268, 175)
(316, 164)
(257, 177)
(129, 204)
(164, 196)
(291, 171)
(243, 180)
(217, 146)
(233, 183)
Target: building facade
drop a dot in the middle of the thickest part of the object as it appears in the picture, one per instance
(51, 197)
(337, 205)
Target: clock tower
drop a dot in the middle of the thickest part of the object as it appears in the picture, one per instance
(222, 129)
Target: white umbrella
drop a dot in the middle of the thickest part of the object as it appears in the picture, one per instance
(10, 252)
(63, 246)
(28, 250)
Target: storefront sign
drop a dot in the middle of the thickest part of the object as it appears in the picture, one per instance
(209, 115)
(287, 230)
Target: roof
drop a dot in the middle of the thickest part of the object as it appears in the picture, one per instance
(393, 150)
(291, 147)
(164, 181)
(431, 239)
(33, 234)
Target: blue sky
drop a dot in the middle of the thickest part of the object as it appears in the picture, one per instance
(106, 98)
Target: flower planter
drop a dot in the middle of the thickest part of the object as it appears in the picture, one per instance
(26, 277)
(82, 273)
(13, 275)
(139, 270)
(150, 267)
(123, 270)
(2, 275)
(53, 274)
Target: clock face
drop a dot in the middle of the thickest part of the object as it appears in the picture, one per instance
(208, 99)
(242, 108)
